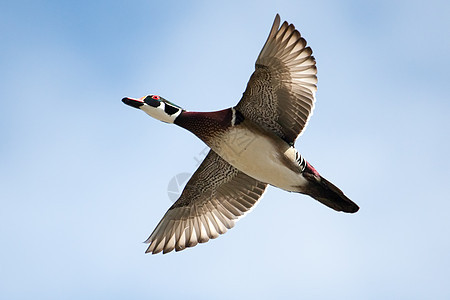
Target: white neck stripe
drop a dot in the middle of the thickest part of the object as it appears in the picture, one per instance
(233, 116)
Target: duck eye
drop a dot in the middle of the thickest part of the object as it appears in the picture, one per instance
(156, 97)
(152, 101)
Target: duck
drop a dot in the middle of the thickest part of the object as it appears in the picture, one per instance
(251, 146)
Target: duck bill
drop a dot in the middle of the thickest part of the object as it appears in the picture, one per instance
(136, 103)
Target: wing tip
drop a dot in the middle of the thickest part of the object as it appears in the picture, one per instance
(277, 19)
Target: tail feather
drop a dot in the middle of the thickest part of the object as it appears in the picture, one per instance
(327, 193)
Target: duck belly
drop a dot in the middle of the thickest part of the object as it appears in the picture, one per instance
(261, 155)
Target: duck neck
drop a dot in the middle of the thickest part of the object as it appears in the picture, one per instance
(206, 125)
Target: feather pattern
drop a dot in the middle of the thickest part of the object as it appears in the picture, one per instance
(215, 197)
(280, 94)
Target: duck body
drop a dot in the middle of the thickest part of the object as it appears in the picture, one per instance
(248, 147)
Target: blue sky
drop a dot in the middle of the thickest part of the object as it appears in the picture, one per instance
(83, 178)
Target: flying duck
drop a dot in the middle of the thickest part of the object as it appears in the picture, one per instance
(252, 145)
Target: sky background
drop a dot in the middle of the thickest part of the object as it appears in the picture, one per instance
(84, 178)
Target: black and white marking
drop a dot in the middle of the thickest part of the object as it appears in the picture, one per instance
(300, 160)
(170, 110)
(236, 117)
(161, 109)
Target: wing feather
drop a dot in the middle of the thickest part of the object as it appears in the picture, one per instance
(280, 94)
(215, 197)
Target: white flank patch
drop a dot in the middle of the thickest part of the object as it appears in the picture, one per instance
(261, 156)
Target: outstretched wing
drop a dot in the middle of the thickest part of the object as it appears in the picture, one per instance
(210, 204)
(280, 94)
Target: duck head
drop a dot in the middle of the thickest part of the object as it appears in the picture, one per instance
(156, 107)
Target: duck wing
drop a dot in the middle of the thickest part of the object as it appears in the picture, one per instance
(214, 198)
(280, 94)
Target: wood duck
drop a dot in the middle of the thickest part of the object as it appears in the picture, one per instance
(251, 146)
